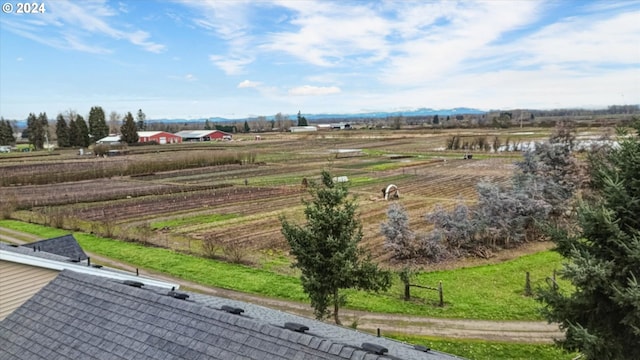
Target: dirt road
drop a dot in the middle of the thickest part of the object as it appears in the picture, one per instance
(512, 331)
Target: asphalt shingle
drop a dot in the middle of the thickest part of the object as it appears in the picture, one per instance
(65, 245)
(86, 316)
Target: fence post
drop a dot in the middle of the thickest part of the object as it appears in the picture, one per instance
(440, 292)
(527, 285)
(407, 292)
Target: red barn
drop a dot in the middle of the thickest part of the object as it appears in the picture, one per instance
(203, 135)
(161, 137)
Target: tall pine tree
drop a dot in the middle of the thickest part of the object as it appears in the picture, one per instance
(37, 129)
(128, 130)
(140, 121)
(326, 249)
(73, 132)
(83, 139)
(62, 132)
(302, 121)
(6, 133)
(602, 315)
(98, 127)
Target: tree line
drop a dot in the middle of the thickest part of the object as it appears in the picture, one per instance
(72, 130)
(591, 213)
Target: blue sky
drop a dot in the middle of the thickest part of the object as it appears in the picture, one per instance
(234, 59)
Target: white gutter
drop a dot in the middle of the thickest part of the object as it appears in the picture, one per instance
(83, 269)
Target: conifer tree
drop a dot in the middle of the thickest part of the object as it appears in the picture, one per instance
(302, 121)
(601, 316)
(83, 139)
(326, 249)
(140, 121)
(73, 132)
(128, 130)
(6, 133)
(37, 129)
(98, 127)
(62, 132)
(246, 127)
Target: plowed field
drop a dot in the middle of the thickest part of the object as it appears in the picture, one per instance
(259, 192)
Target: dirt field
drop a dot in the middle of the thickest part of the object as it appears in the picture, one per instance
(259, 192)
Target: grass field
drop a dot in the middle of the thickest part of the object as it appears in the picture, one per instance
(487, 350)
(479, 292)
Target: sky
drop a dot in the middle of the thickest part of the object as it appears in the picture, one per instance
(192, 59)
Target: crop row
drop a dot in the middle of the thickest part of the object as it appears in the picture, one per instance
(88, 191)
(177, 202)
(95, 168)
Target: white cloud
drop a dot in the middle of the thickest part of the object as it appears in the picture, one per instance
(328, 33)
(585, 40)
(71, 25)
(308, 90)
(230, 65)
(228, 21)
(187, 77)
(248, 84)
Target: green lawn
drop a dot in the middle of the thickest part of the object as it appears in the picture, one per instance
(482, 292)
(487, 350)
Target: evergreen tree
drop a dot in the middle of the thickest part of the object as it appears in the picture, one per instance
(44, 129)
(128, 130)
(601, 316)
(302, 121)
(98, 127)
(73, 133)
(62, 132)
(207, 125)
(140, 121)
(326, 249)
(6, 133)
(246, 127)
(83, 139)
(37, 130)
(436, 120)
(32, 129)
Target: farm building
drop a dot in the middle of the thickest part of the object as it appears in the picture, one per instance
(110, 140)
(54, 308)
(303, 128)
(203, 135)
(161, 137)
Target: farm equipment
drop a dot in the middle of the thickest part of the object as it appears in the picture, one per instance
(391, 192)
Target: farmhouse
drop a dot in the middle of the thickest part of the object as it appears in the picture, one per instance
(203, 135)
(77, 311)
(160, 137)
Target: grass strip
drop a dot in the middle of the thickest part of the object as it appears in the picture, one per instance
(488, 350)
(190, 220)
(492, 292)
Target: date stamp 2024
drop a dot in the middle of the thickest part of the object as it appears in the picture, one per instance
(24, 8)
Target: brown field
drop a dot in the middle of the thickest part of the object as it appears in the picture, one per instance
(255, 193)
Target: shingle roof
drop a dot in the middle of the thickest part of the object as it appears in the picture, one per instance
(197, 133)
(79, 316)
(65, 245)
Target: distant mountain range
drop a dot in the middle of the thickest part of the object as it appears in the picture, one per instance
(323, 117)
(345, 116)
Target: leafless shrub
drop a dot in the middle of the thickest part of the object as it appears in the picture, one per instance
(8, 206)
(211, 245)
(234, 253)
